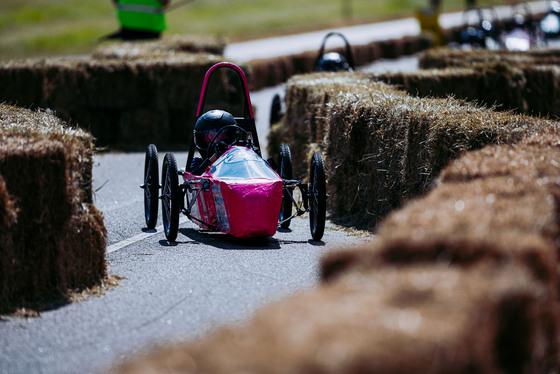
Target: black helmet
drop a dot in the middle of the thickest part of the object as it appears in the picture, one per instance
(332, 61)
(207, 127)
(473, 36)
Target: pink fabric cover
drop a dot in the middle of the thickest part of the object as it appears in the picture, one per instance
(245, 207)
(252, 207)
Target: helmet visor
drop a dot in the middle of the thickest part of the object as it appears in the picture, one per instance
(205, 138)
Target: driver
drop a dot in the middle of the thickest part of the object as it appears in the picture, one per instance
(332, 62)
(206, 128)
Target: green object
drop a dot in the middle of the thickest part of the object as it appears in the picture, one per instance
(146, 15)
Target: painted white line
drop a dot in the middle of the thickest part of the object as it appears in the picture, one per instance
(139, 237)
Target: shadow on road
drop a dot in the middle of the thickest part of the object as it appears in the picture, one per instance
(228, 242)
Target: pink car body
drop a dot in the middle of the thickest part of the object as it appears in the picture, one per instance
(240, 195)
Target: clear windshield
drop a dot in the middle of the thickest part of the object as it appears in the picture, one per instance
(241, 163)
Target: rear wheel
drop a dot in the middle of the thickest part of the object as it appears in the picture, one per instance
(151, 186)
(285, 172)
(170, 197)
(317, 197)
(276, 110)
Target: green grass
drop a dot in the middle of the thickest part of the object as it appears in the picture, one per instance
(31, 28)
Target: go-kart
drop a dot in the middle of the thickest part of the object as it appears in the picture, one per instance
(483, 33)
(325, 62)
(523, 32)
(238, 192)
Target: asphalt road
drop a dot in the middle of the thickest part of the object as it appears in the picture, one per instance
(169, 292)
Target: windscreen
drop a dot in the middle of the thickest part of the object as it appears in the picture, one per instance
(241, 163)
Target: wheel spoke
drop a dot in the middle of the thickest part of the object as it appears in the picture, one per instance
(166, 197)
(150, 186)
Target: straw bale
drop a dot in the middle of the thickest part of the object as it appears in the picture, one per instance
(420, 319)
(169, 44)
(525, 89)
(54, 238)
(492, 206)
(495, 205)
(372, 52)
(268, 72)
(494, 219)
(491, 218)
(523, 82)
(498, 201)
(461, 83)
(391, 48)
(272, 71)
(438, 58)
(106, 95)
(381, 145)
(20, 123)
(525, 161)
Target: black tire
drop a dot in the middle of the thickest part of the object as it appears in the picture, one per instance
(276, 110)
(170, 197)
(317, 197)
(285, 172)
(151, 186)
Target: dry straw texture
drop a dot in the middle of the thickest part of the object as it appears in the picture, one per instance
(422, 319)
(173, 44)
(124, 102)
(381, 145)
(496, 205)
(439, 58)
(524, 82)
(272, 71)
(53, 238)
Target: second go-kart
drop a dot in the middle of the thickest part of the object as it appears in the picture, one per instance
(230, 188)
(325, 62)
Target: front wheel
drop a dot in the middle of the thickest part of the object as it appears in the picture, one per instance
(151, 186)
(317, 197)
(285, 172)
(170, 197)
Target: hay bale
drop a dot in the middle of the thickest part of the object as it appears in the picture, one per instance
(498, 202)
(439, 58)
(461, 83)
(380, 142)
(53, 239)
(419, 319)
(492, 206)
(104, 95)
(523, 88)
(169, 44)
(273, 71)
(518, 81)
(490, 220)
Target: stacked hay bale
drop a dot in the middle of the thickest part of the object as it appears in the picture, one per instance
(440, 58)
(131, 95)
(272, 71)
(464, 280)
(381, 145)
(524, 82)
(494, 206)
(167, 45)
(52, 238)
